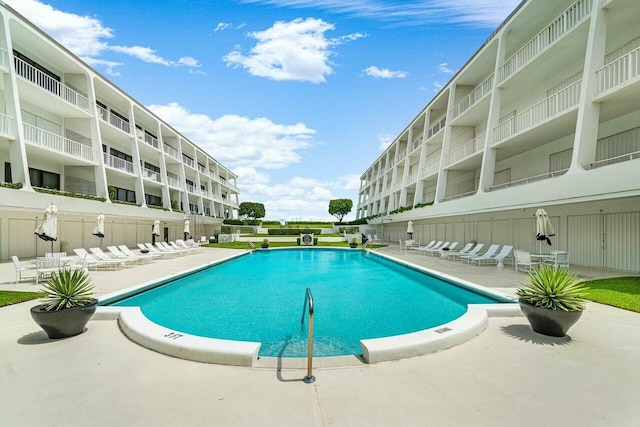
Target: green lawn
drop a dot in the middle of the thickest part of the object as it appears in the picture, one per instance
(327, 225)
(266, 236)
(243, 245)
(14, 297)
(621, 292)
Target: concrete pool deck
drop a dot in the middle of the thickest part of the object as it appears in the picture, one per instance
(506, 376)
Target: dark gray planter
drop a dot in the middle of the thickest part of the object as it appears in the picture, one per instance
(553, 323)
(63, 323)
(264, 246)
(353, 245)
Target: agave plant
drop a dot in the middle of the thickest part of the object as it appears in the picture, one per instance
(67, 289)
(555, 289)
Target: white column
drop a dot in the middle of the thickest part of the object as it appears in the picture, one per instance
(137, 166)
(423, 160)
(441, 185)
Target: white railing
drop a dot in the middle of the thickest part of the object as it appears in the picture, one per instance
(430, 168)
(117, 163)
(152, 175)
(396, 187)
(416, 143)
(390, 164)
(464, 151)
(402, 154)
(411, 179)
(113, 120)
(459, 196)
(528, 180)
(173, 182)
(190, 188)
(170, 151)
(187, 161)
(615, 159)
(619, 71)
(474, 96)
(6, 125)
(437, 127)
(206, 194)
(569, 19)
(37, 77)
(58, 143)
(4, 58)
(202, 169)
(151, 140)
(543, 110)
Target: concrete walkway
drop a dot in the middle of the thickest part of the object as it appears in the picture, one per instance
(506, 376)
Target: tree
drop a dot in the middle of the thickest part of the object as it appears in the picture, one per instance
(340, 207)
(251, 210)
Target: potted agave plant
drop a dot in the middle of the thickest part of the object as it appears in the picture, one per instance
(265, 244)
(552, 299)
(68, 304)
(353, 243)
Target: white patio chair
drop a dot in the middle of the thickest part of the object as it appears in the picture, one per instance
(491, 252)
(175, 247)
(522, 260)
(89, 261)
(22, 266)
(101, 256)
(445, 249)
(148, 256)
(472, 253)
(435, 250)
(456, 254)
(561, 260)
(430, 246)
(425, 247)
(118, 254)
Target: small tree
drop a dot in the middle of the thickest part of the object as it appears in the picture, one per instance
(340, 208)
(251, 210)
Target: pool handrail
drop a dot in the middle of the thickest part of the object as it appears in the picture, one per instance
(308, 300)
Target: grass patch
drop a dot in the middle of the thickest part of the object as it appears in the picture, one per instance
(243, 245)
(267, 236)
(327, 225)
(621, 292)
(15, 297)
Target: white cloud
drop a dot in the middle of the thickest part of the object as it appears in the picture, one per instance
(444, 68)
(87, 37)
(384, 73)
(479, 13)
(385, 140)
(240, 141)
(222, 26)
(297, 50)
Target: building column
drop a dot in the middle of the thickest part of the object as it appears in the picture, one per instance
(423, 160)
(137, 165)
(441, 185)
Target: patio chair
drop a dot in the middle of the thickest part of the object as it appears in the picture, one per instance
(376, 239)
(89, 261)
(152, 250)
(455, 254)
(101, 256)
(22, 266)
(498, 258)
(522, 260)
(435, 250)
(172, 249)
(126, 251)
(425, 247)
(118, 254)
(160, 248)
(46, 266)
(472, 253)
(445, 249)
(561, 259)
(491, 252)
(175, 247)
(183, 245)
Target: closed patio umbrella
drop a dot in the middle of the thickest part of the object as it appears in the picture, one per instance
(48, 230)
(410, 229)
(155, 231)
(99, 230)
(187, 232)
(544, 229)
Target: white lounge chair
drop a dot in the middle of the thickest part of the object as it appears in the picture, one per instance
(434, 250)
(160, 247)
(125, 250)
(445, 249)
(175, 247)
(493, 249)
(89, 261)
(472, 253)
(429, 247)
(22, 266)
(425, 247)
(498, 258)
(522, 260)
(456, 254)
(183, 245)
(101, 256)
(154, 251)
(118, 254)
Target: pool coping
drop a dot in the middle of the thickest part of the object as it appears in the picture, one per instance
(148, 334)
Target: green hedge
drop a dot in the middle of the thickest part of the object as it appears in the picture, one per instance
(315, 241)
(292, 231)
(69, 194)
(230, 221)
(349, 230)
(232, 229)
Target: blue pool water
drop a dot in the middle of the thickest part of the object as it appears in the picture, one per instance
(259, 297)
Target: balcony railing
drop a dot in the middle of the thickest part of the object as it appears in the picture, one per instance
(37, 77)
(113, 120)
(187, 161)
(528, 180)
(190, 188)
(4, 58)
(58, 143)
(149, 139)
(206, 194)
(474, 96)
(171, 151)
(402, 154)
(437, 127)
(619, 71)
(152, 175)
(202, 169)
(545, 109)
(430, 168)
(615, 159)
(569, 19)
(464, 151)
(416, 143)
(173, 182)
(6, 125)
(411, 179)
(118, 163)
(459, 196)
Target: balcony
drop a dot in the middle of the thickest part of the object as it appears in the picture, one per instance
(465, 151)
(173, 182)
(416, 143)
(619, 72)
(149, 139)
(60, 144)
(152, 175)
(187, 161)
(430, 169)
(528, 180)
(6, 126)
(474, 96)
(459, 196)
(118, 163)
(172, 152)
(48, 83)
(554, 105)
(112, 119)
(614, 160)
(437, 127)
(190, 188)
(568, 20)
(202, 169)
(4, 59)
(206, 194)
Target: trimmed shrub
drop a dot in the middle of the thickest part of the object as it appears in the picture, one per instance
(315, 241)
(232, 229)
(292, 231)
(349, 230)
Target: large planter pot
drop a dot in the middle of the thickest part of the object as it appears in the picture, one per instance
(63, 323)
(554, 323)
(353, 245)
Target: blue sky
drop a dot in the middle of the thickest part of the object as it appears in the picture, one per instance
(298, 97)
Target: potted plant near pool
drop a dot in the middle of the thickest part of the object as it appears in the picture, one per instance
(265, 244)
(353, 243)
(68, 304)
(552, 299)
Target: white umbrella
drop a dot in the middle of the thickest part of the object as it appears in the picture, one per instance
(544, 229)
(186, 229)
(410, 229)
(156, 228)
(99, 230)
(48, 230)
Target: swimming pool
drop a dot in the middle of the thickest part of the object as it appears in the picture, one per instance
(259, 298)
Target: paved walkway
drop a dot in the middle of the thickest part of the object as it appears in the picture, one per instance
(506, 376)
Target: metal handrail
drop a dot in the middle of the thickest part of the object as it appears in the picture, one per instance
(308, 300)
(250, 243)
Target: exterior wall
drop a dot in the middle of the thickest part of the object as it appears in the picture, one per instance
(545, 114)
(60, 116)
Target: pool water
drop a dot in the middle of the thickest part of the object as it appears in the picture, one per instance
(260, 297)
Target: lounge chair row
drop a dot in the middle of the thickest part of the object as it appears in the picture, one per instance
(470, 252)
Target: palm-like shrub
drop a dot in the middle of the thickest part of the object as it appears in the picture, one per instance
(67, 289)
(555, 289)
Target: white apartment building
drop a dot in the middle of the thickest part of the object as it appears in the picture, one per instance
(546, 114)
(66, 128)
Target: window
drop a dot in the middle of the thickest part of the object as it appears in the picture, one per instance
(124, 195)
(121, 155)
(152, 200)
(151, 167)
(7, 173)
(44, 179)
(193, 208)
